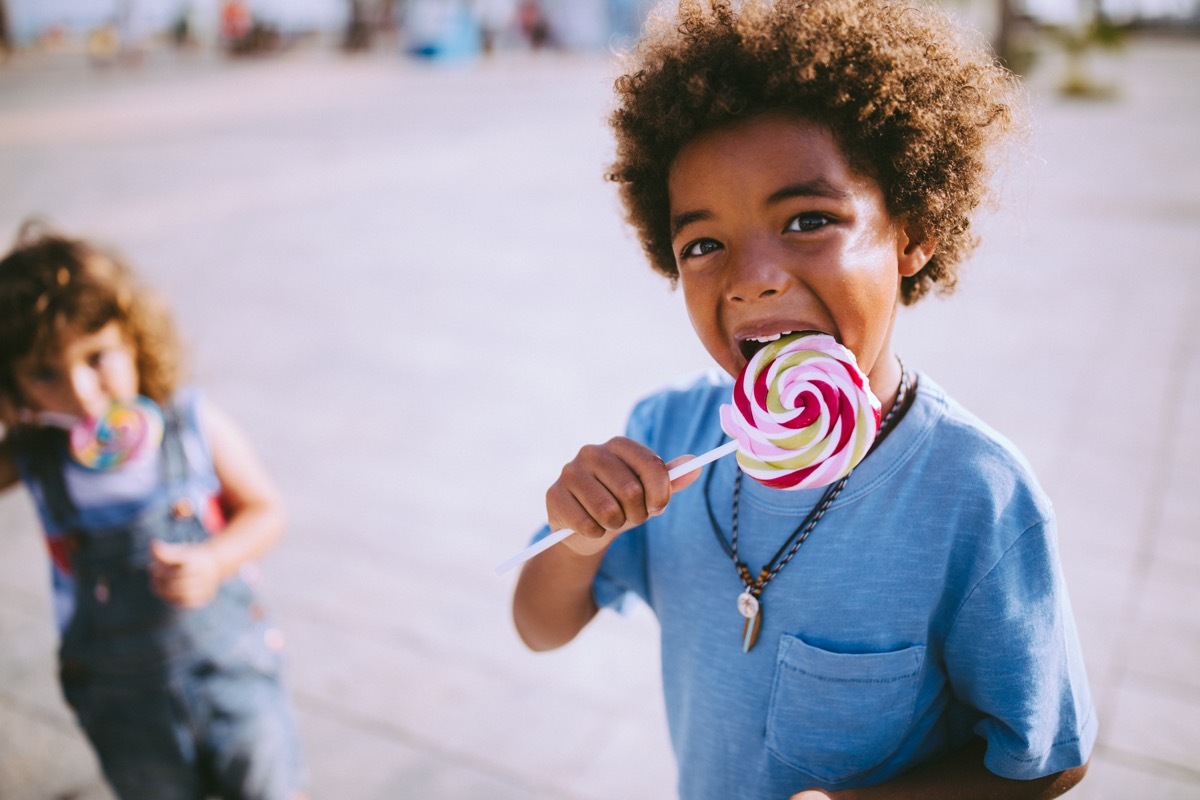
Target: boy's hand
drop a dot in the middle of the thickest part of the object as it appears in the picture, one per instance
(608, 489)
(604, 490)
(186, 575)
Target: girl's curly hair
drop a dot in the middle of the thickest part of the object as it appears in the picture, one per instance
(49, 281)
(911, 104)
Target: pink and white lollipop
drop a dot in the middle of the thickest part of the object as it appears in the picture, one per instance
(802, 416)
(802, 413)
(127, 430)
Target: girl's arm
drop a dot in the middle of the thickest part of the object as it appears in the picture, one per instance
(606, 490)
(190, 574)
(961, 774)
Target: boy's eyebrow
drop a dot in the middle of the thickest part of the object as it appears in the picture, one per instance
(687, 218)
(817, 187)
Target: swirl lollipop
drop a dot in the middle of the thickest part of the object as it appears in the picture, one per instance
(127, 430)
(802, 413)
(802, 416)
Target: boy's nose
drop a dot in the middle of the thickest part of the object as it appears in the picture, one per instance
(757, 273)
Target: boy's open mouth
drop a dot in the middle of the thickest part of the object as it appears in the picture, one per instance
(751, 345)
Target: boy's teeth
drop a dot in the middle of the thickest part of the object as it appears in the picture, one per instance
(771, 338)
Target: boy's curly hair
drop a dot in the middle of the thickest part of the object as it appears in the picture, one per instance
(911, 105)
(49, 281)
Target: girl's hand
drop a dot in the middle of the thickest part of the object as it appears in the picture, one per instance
(608, 489)
(186, 575)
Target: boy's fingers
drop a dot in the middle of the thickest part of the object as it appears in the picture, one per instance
(608, 487)
(647, 484)
(634, 484)
(569, 513)
(621, 502)
(601, 509)
(580, 500)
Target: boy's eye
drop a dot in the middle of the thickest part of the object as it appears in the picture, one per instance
(700, 247)
(808, 221)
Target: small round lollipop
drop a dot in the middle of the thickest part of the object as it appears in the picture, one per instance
(802, 413)
(127, 430)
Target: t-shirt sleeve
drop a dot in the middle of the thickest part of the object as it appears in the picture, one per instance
(1013, 655)
(623, 570)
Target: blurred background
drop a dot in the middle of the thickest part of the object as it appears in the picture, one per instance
(384, 230)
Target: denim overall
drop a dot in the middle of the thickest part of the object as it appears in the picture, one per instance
(178, 703)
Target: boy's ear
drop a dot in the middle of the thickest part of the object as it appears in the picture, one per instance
(913, 250)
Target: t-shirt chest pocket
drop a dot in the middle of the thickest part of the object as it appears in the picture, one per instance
(835, 715)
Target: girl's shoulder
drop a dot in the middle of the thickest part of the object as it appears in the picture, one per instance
(186, 401)
(189, 405)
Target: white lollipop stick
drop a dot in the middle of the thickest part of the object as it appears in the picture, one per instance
(690, 465)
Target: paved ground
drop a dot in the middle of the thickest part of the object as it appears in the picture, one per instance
(413, 288)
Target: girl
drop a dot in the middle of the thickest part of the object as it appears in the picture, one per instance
(166, 656)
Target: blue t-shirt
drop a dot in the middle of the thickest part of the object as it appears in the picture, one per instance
(927, 606)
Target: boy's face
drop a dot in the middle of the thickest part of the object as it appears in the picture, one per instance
(774, 232)
(82, 377)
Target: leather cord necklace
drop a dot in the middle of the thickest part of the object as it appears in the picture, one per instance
(749, 602)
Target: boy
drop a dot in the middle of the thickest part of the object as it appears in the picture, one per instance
(810, 166)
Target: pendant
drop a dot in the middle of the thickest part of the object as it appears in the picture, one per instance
(747, 605)
(751, 609)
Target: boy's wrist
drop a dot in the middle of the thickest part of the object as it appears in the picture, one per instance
(583, 565)
(587, 549)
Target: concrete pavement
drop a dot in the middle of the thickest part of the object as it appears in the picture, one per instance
(411, 286)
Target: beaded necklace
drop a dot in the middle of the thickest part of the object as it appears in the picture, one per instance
(749, 602)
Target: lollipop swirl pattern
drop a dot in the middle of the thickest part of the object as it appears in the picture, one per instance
(129, 429)
(802, 413)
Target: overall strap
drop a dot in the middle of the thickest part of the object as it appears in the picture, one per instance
(44, 453)
(174, 456)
